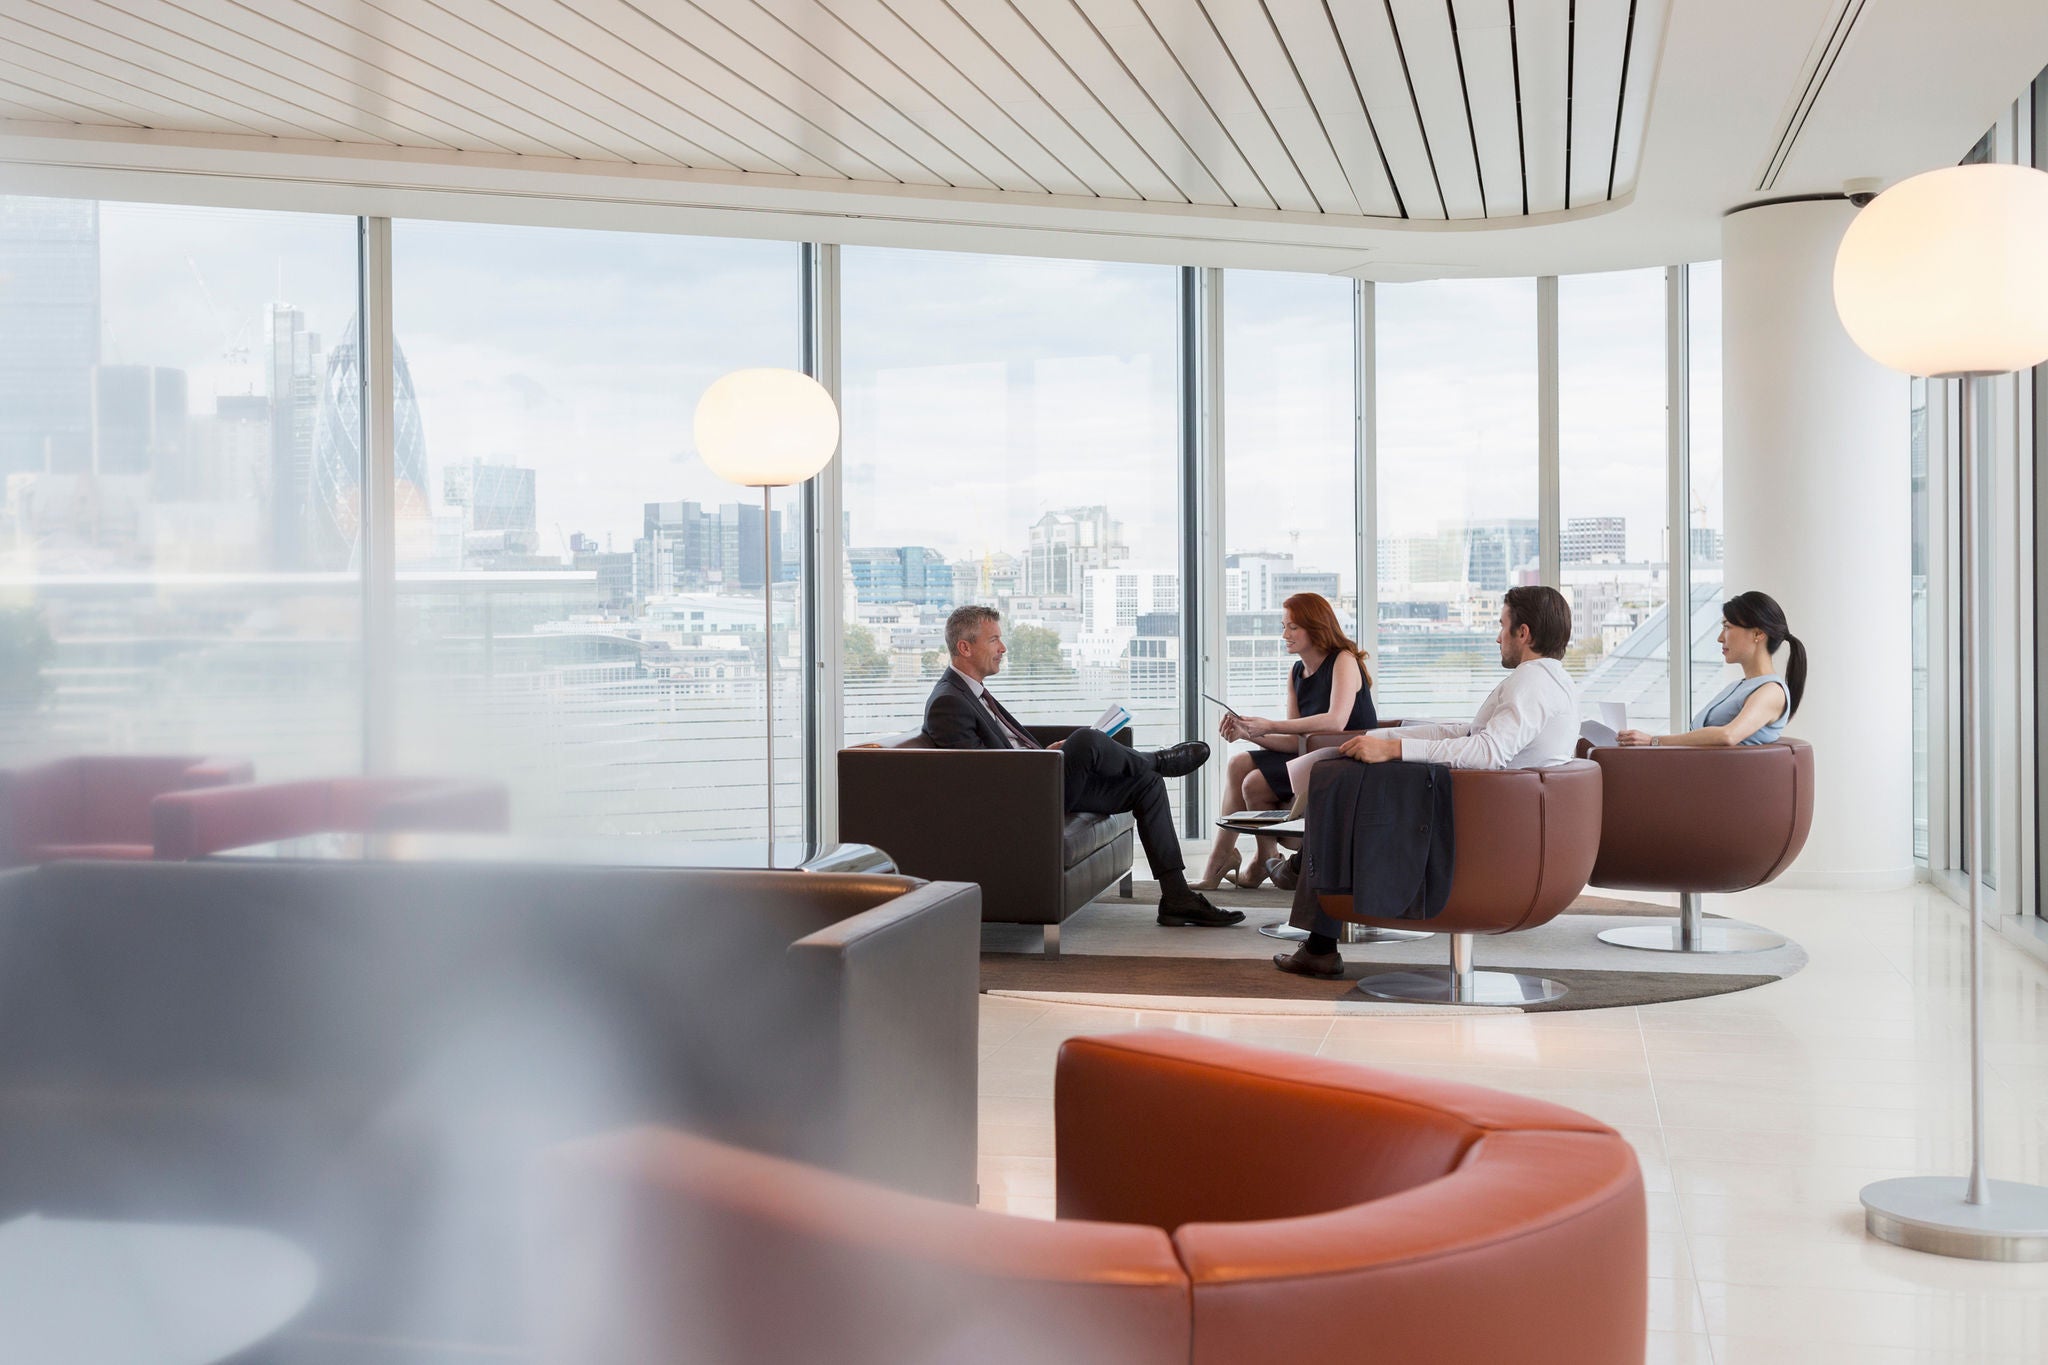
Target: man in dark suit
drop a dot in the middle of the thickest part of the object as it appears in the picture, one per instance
(1102, 777)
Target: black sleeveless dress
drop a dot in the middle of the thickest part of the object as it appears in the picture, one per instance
(1312, 693)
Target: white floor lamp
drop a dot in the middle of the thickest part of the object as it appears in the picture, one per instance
(1946, 275)
(767, 429)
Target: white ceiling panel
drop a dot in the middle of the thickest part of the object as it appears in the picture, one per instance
(1332, 86)
(1430, 53)
(1380, 109)
(1639, 82)
(1097, 68)
(1191, 37)
(1600, 36)
(1543, 57)
(1486, 42)
(1367, 34)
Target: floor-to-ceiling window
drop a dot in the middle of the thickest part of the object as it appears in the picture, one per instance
(1457, 512)
(1918, 457)
(1289, 440)
(173, 426)
(1613, 479)
(580, 598)
(1010, 439)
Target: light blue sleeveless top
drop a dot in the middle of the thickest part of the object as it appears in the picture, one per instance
(1728, 705)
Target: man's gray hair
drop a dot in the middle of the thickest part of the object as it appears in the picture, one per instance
(965, 624)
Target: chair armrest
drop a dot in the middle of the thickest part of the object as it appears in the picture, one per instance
(220, 772)
(903, 979)
(1124, 1104)
(454, 805)
(964, 815)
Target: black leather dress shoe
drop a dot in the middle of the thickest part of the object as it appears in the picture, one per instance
(1178, 760)
(1196, 910)
(1302, 962)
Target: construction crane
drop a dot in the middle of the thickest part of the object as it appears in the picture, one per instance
(234, 341)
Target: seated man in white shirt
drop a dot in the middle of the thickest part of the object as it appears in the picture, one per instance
(1531, 720)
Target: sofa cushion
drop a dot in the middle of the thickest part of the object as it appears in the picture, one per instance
(1084, 834)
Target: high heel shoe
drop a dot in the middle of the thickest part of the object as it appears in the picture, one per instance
(1244, 881)
(1226, 877)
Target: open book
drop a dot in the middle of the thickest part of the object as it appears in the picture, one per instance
(1113, 720)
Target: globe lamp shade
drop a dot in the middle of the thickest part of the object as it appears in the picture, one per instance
(766, 428)
(1947, 273)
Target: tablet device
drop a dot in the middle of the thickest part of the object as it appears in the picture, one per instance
(1222, 703)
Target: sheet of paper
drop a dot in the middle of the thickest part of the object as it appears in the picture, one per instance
(1614, 715)
(1298, 770)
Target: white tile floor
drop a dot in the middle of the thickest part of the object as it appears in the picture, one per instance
(1758, 1116)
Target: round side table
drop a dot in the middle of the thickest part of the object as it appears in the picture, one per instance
(1280, 928)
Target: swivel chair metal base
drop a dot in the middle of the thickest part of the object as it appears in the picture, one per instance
(1461, 984)
(1932, 1213)
(1352, 933)
(1694, 934)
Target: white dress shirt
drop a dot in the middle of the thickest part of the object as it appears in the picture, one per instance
(1530, 721)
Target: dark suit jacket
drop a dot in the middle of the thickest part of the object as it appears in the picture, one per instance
(1380, 833)
(954, 717)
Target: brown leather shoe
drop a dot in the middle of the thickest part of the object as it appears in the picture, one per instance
(1302, 962)
(1285, 872)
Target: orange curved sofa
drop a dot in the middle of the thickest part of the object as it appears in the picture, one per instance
(1418, 1220)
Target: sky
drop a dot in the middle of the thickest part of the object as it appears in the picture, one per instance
(980, 391)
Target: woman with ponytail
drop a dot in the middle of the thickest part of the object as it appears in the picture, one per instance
(1754, 708)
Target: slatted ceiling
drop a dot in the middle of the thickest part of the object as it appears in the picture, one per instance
(1145, 56)
(1427, 109)
(830, 120)
(1645, 54)
(160, 49)
(1192, 39)
(1367, 33)
(829, 54)
(1247, 30)
(1066, 33)
(260, 66)
(1042, 78)
(384, 60)
(801, 75)
(1489, 56)
(1542, 39)
(1432, 55)
(1303, 29)
(377, 91)
(880, 25)
(939, 25)
(147, 100)
(1599, 47)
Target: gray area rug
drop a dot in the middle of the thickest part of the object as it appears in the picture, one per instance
(1114, 953)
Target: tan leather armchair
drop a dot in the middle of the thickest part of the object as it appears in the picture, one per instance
(1701, 822)
(1526, 839)
(995, 817)
(1419, 1220)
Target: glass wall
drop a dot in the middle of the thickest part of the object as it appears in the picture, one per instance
(580, 601)
(1708, 507)
(174, 436)
(1289, 459)
(1457, 485)
(1011, 438)
(1921, 548)
(1613, 482)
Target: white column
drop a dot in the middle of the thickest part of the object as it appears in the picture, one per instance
(1818, 509)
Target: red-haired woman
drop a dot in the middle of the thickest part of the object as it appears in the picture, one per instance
(1329, 680)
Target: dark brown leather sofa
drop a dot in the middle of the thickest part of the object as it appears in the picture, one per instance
(366, 1058)
(1701, 822)
(1408, 1220)
(993, 817)
(1526, 839)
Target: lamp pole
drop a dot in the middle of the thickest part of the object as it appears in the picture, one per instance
(1941, 276)
(768, 653)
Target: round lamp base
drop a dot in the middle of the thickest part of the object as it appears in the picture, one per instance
(1929, 1213)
